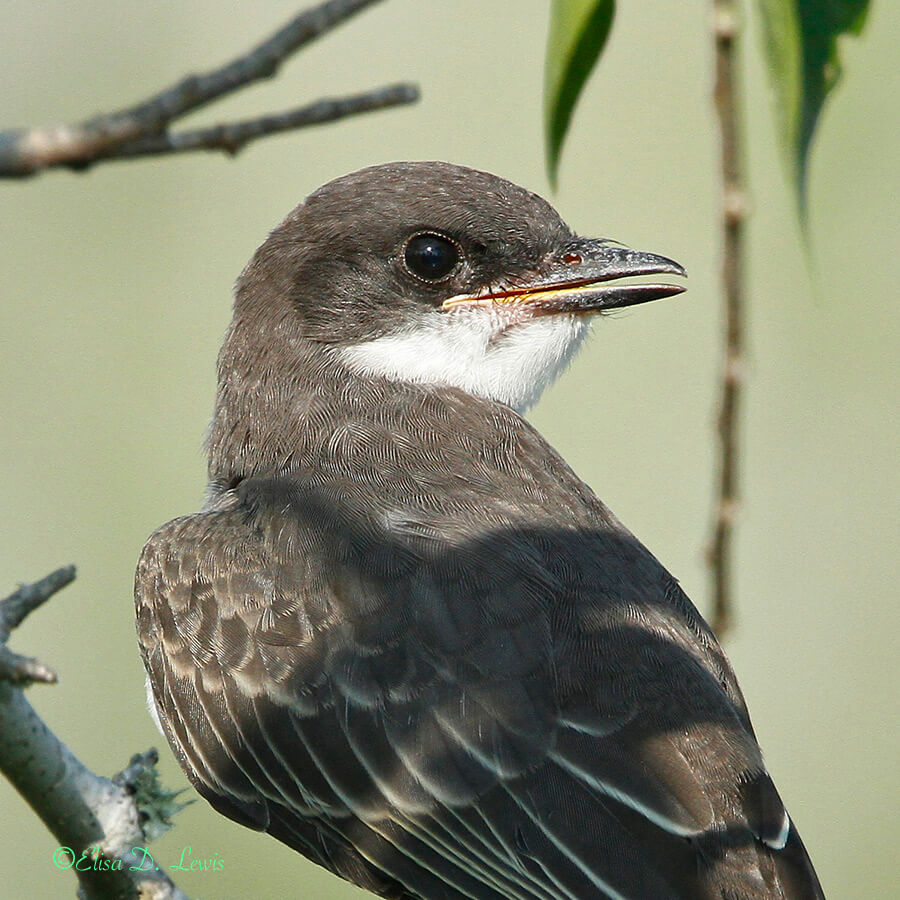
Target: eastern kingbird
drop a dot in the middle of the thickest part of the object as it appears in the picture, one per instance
(402, 636)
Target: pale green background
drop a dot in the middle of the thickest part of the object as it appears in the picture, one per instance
(115, 295)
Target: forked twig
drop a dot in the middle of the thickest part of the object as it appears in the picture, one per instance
(93, 818)
(143, 129)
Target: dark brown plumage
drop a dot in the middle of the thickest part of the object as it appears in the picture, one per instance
(402, 636)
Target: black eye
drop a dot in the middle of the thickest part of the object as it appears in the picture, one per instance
(431, 257)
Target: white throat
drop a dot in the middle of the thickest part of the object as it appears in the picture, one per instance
(495, 352)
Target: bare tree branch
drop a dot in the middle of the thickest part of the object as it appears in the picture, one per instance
(23, 670)
(92, 817)
(233, 137)
(734, 212)
(28, 151)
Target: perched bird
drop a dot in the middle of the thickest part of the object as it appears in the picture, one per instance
(402, 636)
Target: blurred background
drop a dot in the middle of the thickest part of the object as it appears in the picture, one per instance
(116, 293)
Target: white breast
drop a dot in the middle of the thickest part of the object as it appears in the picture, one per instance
(500, 353)
(151, 706)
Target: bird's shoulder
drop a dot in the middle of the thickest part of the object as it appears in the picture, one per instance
(210, 593)
(496, 561)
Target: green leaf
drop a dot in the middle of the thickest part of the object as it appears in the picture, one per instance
(801, 39)
(578, 31)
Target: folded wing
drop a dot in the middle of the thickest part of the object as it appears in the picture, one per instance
(487, 719)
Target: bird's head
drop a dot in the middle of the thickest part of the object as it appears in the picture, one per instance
(434, 273)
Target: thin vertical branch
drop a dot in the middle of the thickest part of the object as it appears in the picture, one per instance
(734, 208)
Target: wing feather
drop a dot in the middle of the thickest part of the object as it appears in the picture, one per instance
(436, 721)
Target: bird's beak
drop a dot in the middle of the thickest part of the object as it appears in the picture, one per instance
(577, 281)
